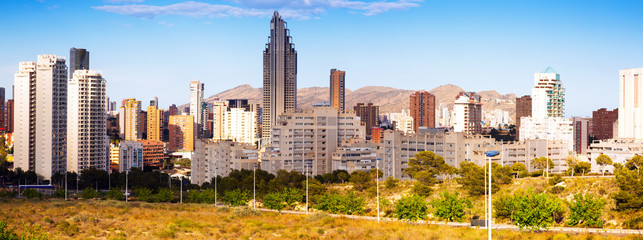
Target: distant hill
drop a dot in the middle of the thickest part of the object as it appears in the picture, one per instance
(389, 99)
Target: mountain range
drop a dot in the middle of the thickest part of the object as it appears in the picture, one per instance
(389, 99)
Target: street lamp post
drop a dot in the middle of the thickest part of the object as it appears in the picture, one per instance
(254, 188)
(306, 189)
(216, 172)
(126, 183)
(489, 155)
(65, 185)
(377, 183)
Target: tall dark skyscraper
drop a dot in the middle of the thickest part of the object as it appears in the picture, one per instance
(337, 87)
(78, 59)
(279, 74)
(422, 106)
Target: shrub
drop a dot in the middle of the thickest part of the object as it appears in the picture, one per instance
(504, 207)
(60, 193)
(557, 178)
(450, 207)
(245, 211)
(144, 194)
(67, 228)
(361, 180)
(557, 189)
(6, 233)
(30, 193)
(586, 210)
(89, 193)
(115, 194)
(236, 197)
(335, 203)
(291, 196)
(391, 182)
(421, 189)
(164, 195)
(274, 201)
(411, 207)
(534, 211)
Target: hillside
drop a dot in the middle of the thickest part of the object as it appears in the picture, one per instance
(389, 99)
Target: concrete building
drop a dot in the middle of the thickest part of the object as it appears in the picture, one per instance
(239, 125)
(368, 115)
(467, 113)
(40, 93)
(212, 158)
(196, 105)
(603, 123)
(78, 60)
(128, 120)
(525, 151)
(548, 95)
(581, 135)
(154, 123)
(87, 141)
(218, 120)
(355, 155)
(422, 105)
(181, 133)
(619, 150)
(630, 114)
(402, 122)
(8, 116)
(552, 128)
(337, 89)
(153, 153)
(130, 155)
(113, 157)
(279, 75)
(311, 137)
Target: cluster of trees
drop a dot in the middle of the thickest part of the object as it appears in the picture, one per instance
(448, 206)
(533, 210)
(630, 182)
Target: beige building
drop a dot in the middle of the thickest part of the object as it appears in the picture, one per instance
(239, 125)
(311, 137)
(128, 119)
(355, 155)
(218, 158)
(619, 150)
(113, 157)
(467, 113)
(218, 111)
(525, 151)
(154, 123)
(181, 133)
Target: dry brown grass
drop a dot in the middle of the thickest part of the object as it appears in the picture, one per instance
(119, 220)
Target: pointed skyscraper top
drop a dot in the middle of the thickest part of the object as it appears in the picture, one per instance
(549, 70)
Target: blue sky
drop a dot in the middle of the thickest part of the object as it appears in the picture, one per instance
(147, 48)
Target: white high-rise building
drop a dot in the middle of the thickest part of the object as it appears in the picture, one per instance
(239, 125)
(196, 105)
(630, 112)
(553, 129)
(218, 111)
(467, 113)
(41, 116)
(130, 155)
(219, 158)
(86, 125)
(128, 117)
(548, 95)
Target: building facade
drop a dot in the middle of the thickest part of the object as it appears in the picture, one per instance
(239, 125)
(306, 139)
(154, 123)
(548, 128)
(41, 116)
(130, 155)
(87, 141)
(619, 150)
(603, 123)
(355, 155)
(279, 74)
(467, 113)
(8, 115)
(337, 89)
(196, 105)
(581, 135)
(128, 120)
(78, 60)
(218, 158)
(181, 133)
(368, 115)
(548, 95)
(153, 153)
(523, 109)
(630, 114)
(422, 105)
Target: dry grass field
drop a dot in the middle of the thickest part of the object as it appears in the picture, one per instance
(104, 219)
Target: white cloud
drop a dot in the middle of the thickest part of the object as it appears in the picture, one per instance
(124, 1)
(300, 9)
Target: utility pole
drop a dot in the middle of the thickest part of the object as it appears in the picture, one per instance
(377, 181)
(254, 188)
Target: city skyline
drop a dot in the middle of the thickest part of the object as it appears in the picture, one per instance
(584, 44)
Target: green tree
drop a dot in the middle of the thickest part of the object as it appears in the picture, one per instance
(572, 162)
(426, 165)
(361, 180)
(630, 182)
(31, 193)
(542, 163)
(292, 196)
(411, 207)
(237, 197)
(274, 201)
(472, 177)
(586, 210)
(391, 182)
(421, 189)
(450, 207)
(89, 193)
(342, 175)
(60, 193)
(115, 194)
(535, 211)
(583, 167)
(164, 195)
(635, 163)
(557, 178)
(520, 169)
(603, 160)
(144, 194)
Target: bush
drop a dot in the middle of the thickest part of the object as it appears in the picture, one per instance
(236, 197)
(6, 233)
(586, 210)
(504, 207)
(144, 194)
(274, 201)
(534, 211)
(450, 207)
(30, 193)
(89, 193)
(164, 195)
(361, 180)
(391, 182)
(60, 193)
(291, 196)
(557, 178)
(421, 189)
(115, 194)
(245, 211)
(335, 203)
(411, 207)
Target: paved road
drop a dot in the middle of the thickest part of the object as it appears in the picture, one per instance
(495, 226)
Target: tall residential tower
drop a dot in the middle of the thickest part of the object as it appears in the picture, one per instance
(422, 105)
(78, 60)
(279, 74)
(337, 86)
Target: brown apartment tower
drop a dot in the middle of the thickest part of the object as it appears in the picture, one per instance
(523, 109)
(337, 86)
(279, 74)
(422, 105)
(368, 115)
(603, 123)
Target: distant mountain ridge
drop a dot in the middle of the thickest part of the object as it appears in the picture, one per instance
(389, 99)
